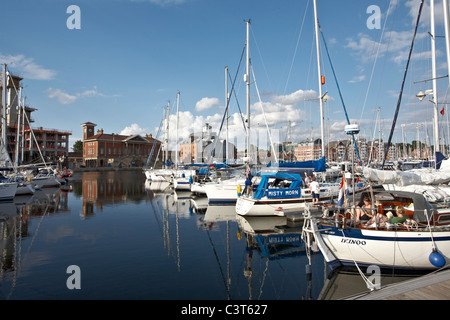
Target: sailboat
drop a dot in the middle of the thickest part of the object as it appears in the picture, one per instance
(432, 182)
(420, 242)
(268, 200)
(418, 239)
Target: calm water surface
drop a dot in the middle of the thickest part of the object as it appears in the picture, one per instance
(132, 242)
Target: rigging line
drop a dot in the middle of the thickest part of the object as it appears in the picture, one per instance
(153, 147)
(296, 47)
(239, 106)
(228, 101)
(376, 59)
(264, 114)
(260, 55)
(403, 84)
(339, 90)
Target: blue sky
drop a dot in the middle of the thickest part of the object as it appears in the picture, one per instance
(130, 58)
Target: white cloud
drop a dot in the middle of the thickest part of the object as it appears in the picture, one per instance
(414, 5)
(206, 103)
(26, 67)
(66, 98)
(296, 97)
(134, 129)
(396, 42)
(357, 79)
(278, 111)
(61, 96)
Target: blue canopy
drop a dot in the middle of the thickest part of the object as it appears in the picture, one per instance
(294, 177)
(316, 165)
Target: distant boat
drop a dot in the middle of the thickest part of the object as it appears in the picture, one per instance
(7, 190)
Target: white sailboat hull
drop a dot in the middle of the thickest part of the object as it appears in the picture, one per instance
(45, 181)
(224, 191)
(266, 207)
(181, 184)
(25, 189)
(8, 190)
(383, 248)
(197, 187)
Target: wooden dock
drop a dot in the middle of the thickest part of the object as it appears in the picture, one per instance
(433, 286)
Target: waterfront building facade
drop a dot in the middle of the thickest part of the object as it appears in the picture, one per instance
(114, 150)
(32, 145)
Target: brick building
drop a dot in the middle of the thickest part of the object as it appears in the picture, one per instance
(52, 144)
(113, 150)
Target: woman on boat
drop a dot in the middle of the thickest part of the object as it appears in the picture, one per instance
(377, 221)
(364, 212)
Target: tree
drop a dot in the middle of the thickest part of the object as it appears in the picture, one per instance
(78, 146)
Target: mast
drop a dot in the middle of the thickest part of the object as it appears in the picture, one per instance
(433, 66)
(447, 34)
(226, 107)
(4, 99)
(166, 134)
(247, 81)
(22, 146)
(16, 160)
(322, 132)
(176, 143)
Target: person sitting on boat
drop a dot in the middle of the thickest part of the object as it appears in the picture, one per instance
(377, 221)
(315, 190)
(400, 215)
(364, 212)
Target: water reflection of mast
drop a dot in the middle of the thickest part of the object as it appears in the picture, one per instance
(213, 215)
(178, 241)
(227, 288)
(248, 272)
(166, 227)
(52, 200)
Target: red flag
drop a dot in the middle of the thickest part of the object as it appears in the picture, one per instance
(442, 111)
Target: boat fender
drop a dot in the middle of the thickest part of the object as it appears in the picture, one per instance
(238, 190)
(437, 259)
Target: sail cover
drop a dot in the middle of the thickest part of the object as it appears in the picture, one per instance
(427, 176)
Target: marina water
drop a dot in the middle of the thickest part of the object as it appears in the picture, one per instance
(130, 242)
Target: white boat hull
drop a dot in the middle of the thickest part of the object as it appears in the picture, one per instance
(266, 207)
(181, 184)
(224, 191)
(45, 181)
(25, 189)
(384, 248)
(197, 187)
(8, 190)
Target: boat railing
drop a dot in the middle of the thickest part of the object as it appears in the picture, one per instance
(346, 217)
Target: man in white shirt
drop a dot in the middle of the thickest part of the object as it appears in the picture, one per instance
(315, 190)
